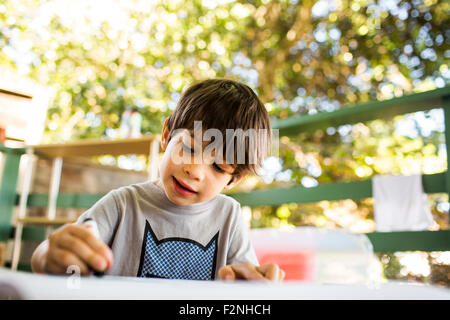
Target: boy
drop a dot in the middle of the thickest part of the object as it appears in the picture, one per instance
(178, 226)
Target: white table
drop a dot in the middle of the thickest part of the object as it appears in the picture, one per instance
(46, 287)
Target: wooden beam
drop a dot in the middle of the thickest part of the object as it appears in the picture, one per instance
(65, 200)
(29, 233)
(16, 93)
(96, 147)
(385, 109)
(43, 221)
(410, 241)
(355, 190)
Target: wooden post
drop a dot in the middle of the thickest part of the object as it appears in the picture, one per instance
(8, 185)
(54, 190)
(25, 190)
(2, 253)
(446, 108)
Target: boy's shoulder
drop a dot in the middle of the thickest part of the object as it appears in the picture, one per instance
(141, 188)
(228, 199)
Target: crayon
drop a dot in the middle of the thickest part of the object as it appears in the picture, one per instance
(91, 225)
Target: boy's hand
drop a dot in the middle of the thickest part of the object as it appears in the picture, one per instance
(249, 271)
(76, 245)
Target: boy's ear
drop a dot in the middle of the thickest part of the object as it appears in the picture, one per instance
(165, 135)
(234, 181)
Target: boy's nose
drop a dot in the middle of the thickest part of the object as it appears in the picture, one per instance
(194, 171)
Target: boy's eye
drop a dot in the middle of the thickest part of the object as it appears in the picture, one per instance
(219, 169)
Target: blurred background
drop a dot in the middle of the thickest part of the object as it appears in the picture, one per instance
(91, 62)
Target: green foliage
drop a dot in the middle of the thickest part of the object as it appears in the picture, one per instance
(143, 53)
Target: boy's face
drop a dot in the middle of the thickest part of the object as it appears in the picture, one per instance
(188, 181)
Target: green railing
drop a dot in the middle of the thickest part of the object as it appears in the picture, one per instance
(382, 241)
(355, 190)
(8, 186)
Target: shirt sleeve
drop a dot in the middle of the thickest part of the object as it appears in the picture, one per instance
(241, 249)
(106, 214)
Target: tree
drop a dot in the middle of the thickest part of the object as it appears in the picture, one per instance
(299, 56)
(345, 50)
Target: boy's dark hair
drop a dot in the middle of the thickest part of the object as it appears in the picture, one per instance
(225, 104)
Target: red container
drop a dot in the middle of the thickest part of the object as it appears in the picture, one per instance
(297, 265)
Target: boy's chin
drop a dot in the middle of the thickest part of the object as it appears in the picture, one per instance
(181, 201)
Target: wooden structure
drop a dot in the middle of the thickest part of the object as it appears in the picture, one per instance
(146, 145)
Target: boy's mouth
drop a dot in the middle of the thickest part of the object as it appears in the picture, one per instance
(182, 188)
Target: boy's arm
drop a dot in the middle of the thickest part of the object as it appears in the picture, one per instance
(73, 244)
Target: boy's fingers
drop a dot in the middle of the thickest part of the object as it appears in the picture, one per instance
(60, 260)
(271, 271)
(226, 273)
(241, 271)
(83, 251)
(52, 266)
(96, 244)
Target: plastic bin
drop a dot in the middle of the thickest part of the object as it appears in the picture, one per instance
(318, 255)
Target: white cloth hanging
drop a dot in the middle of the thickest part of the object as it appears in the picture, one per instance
(400, 203)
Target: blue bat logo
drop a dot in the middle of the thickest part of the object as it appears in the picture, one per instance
(177, 258)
